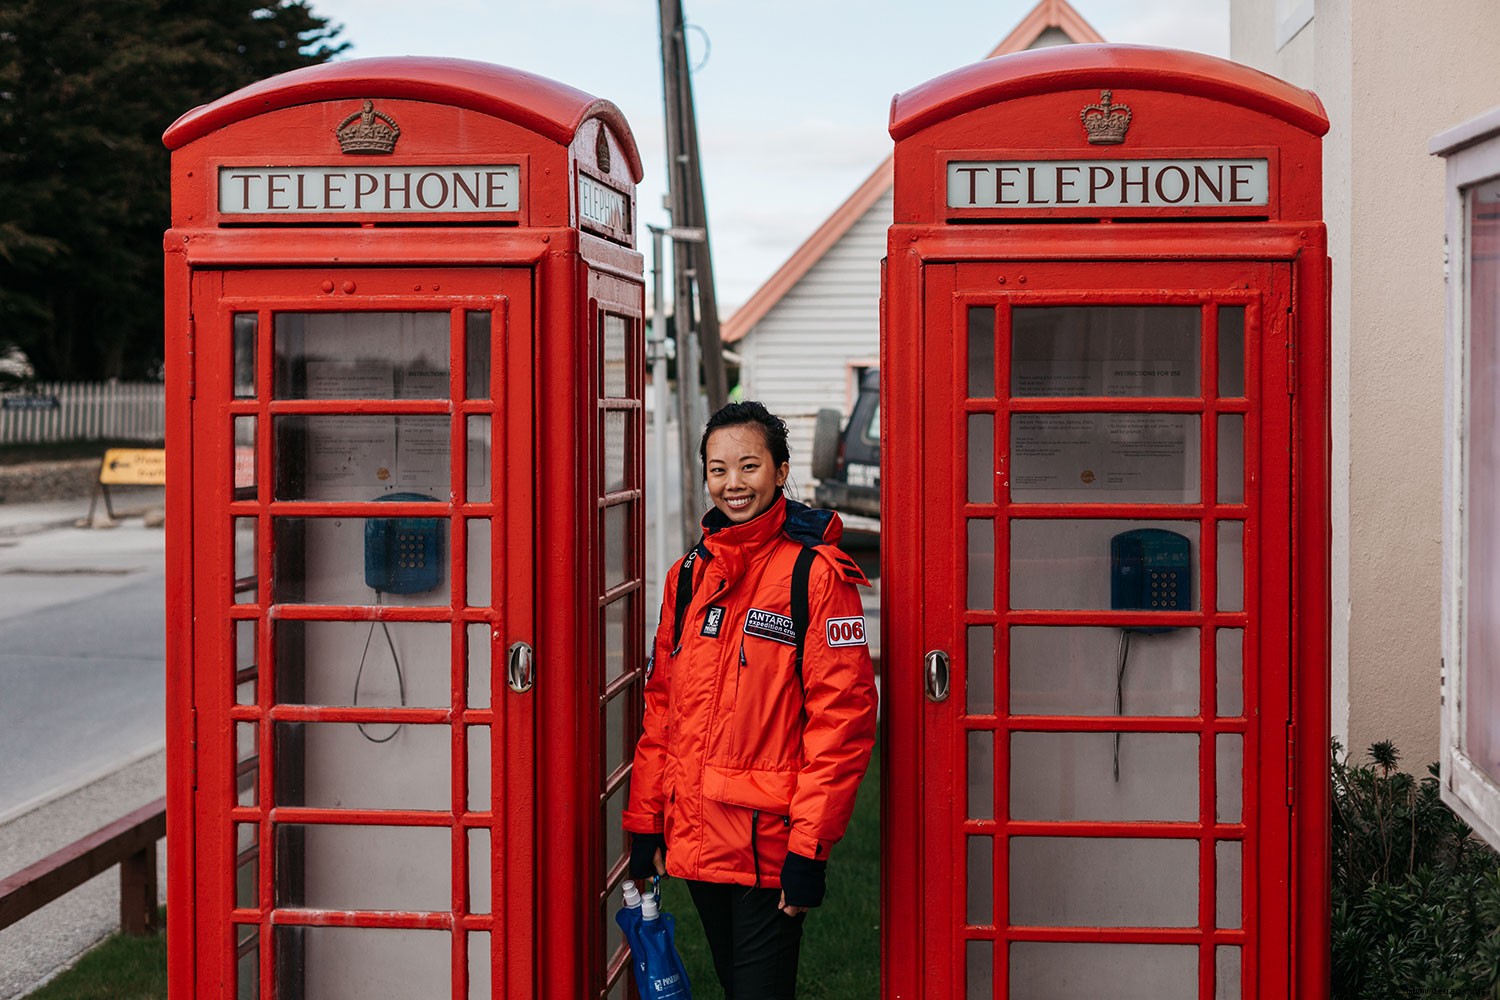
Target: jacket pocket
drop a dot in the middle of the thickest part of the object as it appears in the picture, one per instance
(750, 788)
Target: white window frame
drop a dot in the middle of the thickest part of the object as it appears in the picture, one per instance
(1472, 152)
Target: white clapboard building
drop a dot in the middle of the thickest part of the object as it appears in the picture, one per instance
(808, 333)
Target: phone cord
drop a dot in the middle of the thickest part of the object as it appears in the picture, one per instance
(400, 677)
(1120, 692)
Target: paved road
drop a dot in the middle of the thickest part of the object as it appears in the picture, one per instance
(81, 648)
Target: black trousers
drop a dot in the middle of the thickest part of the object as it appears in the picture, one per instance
(754, 945)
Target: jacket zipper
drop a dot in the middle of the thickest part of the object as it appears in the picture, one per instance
(755, 851)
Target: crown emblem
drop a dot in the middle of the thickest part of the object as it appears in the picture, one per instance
(368, 131)
(1105, 122)
(601, 150)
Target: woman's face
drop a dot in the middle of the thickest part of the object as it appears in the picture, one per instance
(742, 476)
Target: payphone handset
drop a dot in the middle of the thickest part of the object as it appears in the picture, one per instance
(1150, 569)
(403, 555)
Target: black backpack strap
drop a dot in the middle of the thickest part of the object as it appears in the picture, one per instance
(801, 614)
(684, 595)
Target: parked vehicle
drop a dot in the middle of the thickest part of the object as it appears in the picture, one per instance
(846, 456)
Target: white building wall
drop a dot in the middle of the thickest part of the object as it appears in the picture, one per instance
(1391, 77)
(797, 358)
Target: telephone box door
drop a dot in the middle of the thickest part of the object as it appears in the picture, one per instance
(363, 505)
(1109, 600)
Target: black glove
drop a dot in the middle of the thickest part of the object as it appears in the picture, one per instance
(643, 848)
(803, 880)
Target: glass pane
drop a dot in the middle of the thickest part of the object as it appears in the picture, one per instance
(981, 457)
(1480, 594)
(348, 962)
(1231, 458)
(245, 671)
(479, 965)
(246, 586)
(981, 565)
(1105, 351)
(247, 976)
(1230, 666)
(478, 738)
(244, 457)
(1231, 565)
(1085, 670)
(247, 866)
(614, 367)
(982, 775)
(981, 907)
(616, 753)
(981, 675)
(1066, 970)
(245, 327)
(1227, 973)
(1230, 765)
(1231, 351)
(1229, 877)
(614, 833)
(479, 870)
(1099, 882)
(1071, 776)
(247, 763)
(479, 665)
(477, 460)
(1068, 564)
(335, 765)
(334, 866)
(615, 427)
(478, 563)
(614, 939)
(362, 355)
(353, 560)
(370, 664)
(477, 355)
(617, 521)
(361, 457)
(616, 617)
(982, 352)
(979, 961)
(1105, 458)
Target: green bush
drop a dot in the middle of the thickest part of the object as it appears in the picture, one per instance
(1416, 897)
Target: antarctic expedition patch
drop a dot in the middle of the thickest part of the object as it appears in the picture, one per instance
(713, 621)
(769, 625)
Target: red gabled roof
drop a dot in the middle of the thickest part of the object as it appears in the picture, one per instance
(1047, 14)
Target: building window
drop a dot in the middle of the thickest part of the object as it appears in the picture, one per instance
(1471, 540)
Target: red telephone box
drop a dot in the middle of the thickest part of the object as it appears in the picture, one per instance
(404, 332)
(1106, 441)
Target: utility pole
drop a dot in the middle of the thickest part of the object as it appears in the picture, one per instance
(694, 305)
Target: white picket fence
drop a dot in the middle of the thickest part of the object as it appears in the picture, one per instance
(90, 411)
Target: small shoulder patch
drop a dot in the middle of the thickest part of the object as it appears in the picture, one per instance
(847, 569)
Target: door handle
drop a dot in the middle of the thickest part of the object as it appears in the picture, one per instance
(937, 675)
(520, 667)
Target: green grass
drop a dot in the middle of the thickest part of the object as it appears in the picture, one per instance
(122, 968)
(840, 939)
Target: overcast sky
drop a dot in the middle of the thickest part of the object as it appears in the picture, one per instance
(792, 95)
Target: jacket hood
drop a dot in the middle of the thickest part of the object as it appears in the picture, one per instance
(810, 526)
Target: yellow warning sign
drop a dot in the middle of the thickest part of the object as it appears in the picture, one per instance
(134, 467)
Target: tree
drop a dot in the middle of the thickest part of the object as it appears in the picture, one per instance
(86, 91)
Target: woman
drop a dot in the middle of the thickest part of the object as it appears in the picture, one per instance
(760, 710)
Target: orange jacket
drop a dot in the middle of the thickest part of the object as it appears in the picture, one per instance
(740, 761)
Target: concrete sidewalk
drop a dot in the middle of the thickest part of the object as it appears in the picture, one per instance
(46, 515)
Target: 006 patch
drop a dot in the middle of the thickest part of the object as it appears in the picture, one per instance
(846, 631)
